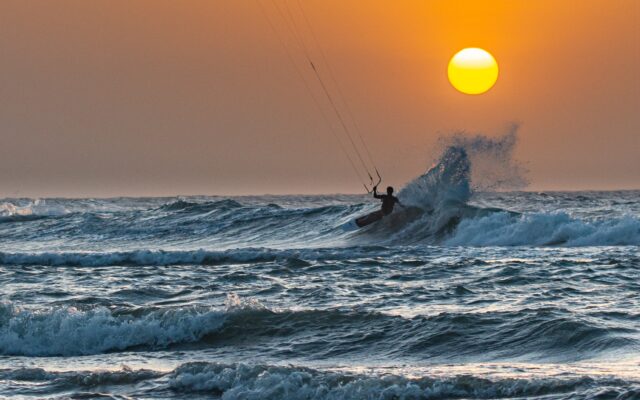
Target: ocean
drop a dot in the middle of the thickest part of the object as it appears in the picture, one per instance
(459, 294)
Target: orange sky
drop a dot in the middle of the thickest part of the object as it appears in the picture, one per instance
(151, 97)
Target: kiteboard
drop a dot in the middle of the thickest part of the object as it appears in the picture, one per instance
(369, 218)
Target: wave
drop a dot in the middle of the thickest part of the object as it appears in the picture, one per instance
(543, 334)
(66, 331)
(264, 381)
(505, 229)
(466, 165)
(72, 331)
(439, 212)
(437, 201)
(35, 209)
(242, 381)
(74, 379)
(464, 225)
(188, 206)
(172, 257)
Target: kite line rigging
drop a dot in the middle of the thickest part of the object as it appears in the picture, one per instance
(363, 166)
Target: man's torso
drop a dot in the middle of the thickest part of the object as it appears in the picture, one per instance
(388, 201)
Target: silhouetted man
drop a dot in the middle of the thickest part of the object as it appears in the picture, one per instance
(388, 200)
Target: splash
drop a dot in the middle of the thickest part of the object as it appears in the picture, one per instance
(446, 182)
(471, 163)
(438, 199)
(493, 164)
(467, 163)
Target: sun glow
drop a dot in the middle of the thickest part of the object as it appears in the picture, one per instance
(473, 71)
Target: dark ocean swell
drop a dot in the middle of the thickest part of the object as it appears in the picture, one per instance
(261, 381)
(531, 334)
(230, 223)
(180, 257)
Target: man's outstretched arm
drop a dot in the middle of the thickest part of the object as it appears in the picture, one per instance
(375, 193)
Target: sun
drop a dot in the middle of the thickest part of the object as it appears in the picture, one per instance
(473, 70)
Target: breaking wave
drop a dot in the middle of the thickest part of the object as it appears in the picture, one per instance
(72, 331)
(505, 229)
(263, 381)
(36, 209)
(543, 334)
(188, 206)
(440, 212)
(168, 257)
(242, 381)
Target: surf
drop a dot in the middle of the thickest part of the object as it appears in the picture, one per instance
(242, 380)
(459, 201)
(441, 210)
(528, 334)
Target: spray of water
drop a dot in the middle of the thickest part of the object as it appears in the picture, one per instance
(492, 163)
(467, 163)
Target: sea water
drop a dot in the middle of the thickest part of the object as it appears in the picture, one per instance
(458, 294)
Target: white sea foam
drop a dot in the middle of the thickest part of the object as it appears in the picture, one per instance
(476, 162)
(249, 382)
(444, 190)
(244, 381)
(71, 331)
(505, 229)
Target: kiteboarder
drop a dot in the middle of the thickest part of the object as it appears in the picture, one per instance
(388, 202)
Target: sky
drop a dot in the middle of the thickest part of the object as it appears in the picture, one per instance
(156, 97)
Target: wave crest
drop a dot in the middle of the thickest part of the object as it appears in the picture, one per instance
(265, 381)
(245, 381)
(35, 209)
(149, 257)
(71, 331)
(440, 213)
(505, 229)
(188, 206)
(541, 334)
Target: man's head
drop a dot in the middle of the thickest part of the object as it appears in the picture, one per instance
(389, 190)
